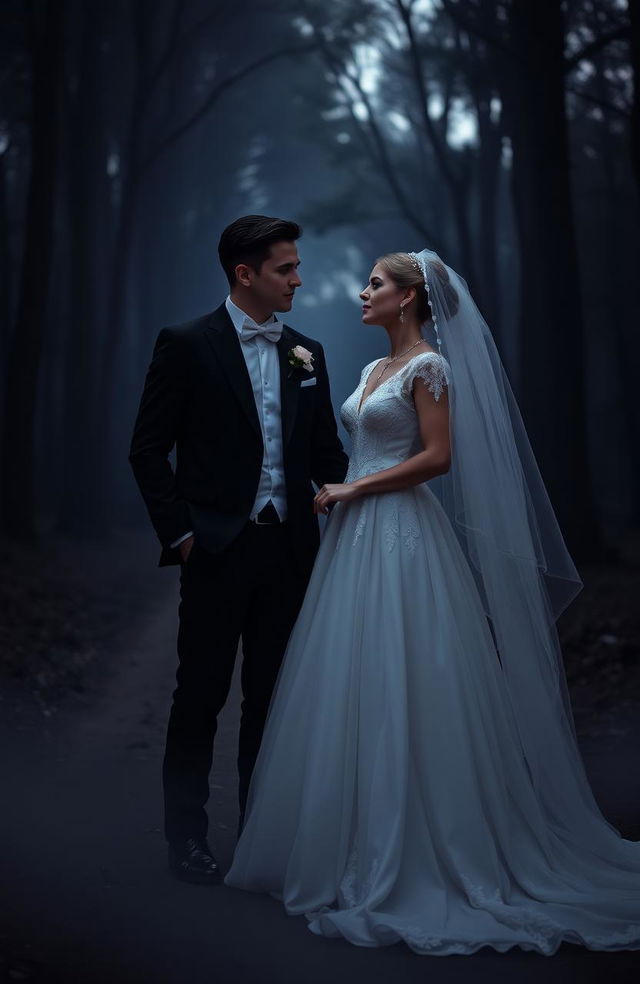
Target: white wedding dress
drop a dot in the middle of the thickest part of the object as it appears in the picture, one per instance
(391, 799)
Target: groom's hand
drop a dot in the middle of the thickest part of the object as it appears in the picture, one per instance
(185, 549)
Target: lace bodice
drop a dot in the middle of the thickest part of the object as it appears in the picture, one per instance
(384, 429)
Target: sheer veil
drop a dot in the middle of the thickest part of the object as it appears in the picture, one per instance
(496, 500)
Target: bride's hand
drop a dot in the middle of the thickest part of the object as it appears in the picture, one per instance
(330, 494)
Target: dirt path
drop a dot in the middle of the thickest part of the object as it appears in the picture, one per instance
(85, 896)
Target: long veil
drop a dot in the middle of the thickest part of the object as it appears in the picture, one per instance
(496, 500)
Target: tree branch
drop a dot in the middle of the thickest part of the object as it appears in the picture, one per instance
(214, 95)
(169, 48)
(601, 103)
(386, 166)
(472, 27)
(438, 143)
(593, 47)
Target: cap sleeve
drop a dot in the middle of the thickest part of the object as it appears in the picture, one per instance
(432, 369)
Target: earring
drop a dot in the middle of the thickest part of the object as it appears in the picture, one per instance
(402, 314)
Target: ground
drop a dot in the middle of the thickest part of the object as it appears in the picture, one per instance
(85, 896)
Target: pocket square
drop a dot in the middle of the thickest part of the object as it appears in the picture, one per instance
(308, 382)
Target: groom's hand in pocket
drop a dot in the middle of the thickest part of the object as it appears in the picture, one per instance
(185, 549)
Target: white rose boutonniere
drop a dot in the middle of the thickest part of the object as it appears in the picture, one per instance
(300, 358)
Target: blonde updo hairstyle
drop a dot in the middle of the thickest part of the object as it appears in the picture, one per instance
(404, 273)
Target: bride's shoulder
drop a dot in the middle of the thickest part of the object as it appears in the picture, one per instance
(431, 367)
(429, 356)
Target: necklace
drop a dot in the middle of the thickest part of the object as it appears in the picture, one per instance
(396, 357)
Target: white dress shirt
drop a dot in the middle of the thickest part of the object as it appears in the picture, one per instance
(263, 365)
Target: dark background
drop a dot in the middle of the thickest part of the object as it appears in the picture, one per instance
(503, 133)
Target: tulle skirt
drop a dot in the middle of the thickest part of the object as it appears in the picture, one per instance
(391, 799)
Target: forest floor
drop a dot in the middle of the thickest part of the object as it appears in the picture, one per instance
(87, 660)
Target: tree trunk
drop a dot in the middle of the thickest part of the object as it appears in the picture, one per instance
(634, 17)
(623, 329)
(551, 317)
(6, 306)
(25, 348)
(88, 194)
(110, 456)
(113, 348)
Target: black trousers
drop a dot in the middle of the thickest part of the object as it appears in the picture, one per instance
(252, 591)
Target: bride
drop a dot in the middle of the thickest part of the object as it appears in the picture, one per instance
(419, 777)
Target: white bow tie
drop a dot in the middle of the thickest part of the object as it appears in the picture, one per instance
(271, 332)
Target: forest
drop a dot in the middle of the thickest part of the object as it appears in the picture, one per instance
(503, 134)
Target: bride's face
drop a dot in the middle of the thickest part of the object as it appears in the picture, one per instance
(380, 298)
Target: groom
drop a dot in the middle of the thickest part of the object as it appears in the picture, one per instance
(245, 400)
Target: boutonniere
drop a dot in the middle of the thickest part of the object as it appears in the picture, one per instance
(300, 358)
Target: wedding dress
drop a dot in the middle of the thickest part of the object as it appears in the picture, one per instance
(391, 799)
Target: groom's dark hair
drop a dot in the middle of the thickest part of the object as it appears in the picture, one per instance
(249, 240)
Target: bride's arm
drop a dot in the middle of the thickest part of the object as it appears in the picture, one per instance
(435, 459)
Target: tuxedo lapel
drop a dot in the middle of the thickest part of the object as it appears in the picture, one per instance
(289, 385)
(225, 343)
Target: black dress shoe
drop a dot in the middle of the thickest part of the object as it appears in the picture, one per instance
(191, 860)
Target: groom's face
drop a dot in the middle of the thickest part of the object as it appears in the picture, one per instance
(275, 284)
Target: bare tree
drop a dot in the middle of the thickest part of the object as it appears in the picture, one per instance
(26, 345)
(634, 35)
(524, 38)
(455, 173)
(142, 146)
(423, 61)
(88, 214)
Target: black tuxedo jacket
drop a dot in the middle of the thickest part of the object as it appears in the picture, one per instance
(198, 397)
